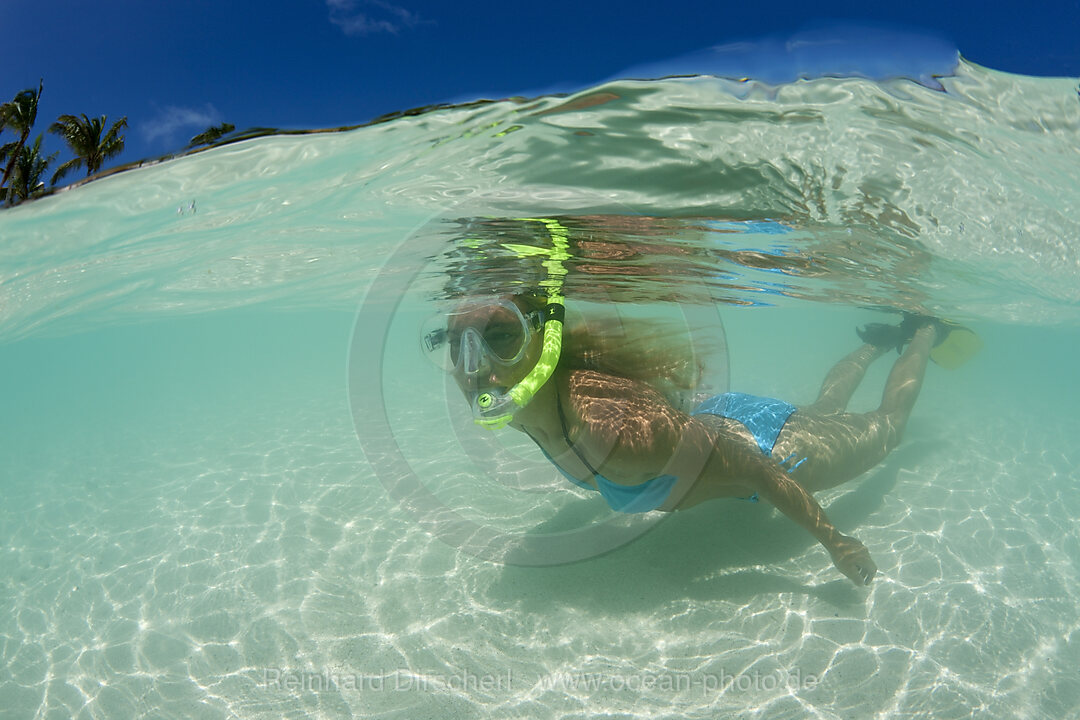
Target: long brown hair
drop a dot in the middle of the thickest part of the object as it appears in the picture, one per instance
(681, 362)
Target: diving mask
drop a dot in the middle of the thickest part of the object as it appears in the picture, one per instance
(480, 337)
(479, 334)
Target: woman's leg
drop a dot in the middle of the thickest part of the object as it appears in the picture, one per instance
(844, 377)
(904, 383)
(841, 446)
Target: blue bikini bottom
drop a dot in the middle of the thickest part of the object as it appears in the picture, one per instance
(763, 417)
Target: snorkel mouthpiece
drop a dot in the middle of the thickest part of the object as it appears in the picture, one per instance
(495, 409)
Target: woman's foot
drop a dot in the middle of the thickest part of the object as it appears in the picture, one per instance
(914, 322)
(888, 337)
(885, 337)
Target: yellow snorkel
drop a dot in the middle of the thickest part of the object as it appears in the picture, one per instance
(495, 409)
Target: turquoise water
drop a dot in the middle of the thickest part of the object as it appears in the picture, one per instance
(233, 488)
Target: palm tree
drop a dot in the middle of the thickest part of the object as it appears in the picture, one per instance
(212, 134)
(89, 141)
(20, 115)
(30, 167)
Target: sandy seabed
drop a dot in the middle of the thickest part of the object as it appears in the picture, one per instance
(260, 570)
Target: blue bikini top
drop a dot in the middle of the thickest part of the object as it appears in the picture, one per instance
(643, 497)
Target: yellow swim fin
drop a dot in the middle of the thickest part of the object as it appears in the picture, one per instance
(959, 346)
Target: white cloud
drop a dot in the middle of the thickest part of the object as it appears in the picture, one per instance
(364, 17)
(170, 120)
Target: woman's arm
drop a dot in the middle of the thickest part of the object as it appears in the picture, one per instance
(630, 432)
(848, 554)
(732, 459)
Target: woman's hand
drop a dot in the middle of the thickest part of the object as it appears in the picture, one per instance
(853, 559)
(777, 487)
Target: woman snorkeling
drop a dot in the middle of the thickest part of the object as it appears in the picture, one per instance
(610, 427)
(622, 418)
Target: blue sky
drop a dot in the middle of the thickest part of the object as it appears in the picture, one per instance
(173, 68)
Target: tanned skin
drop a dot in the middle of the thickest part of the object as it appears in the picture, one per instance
(631, 434)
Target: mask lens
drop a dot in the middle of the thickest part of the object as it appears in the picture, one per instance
(505, 335)
(497, 330)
